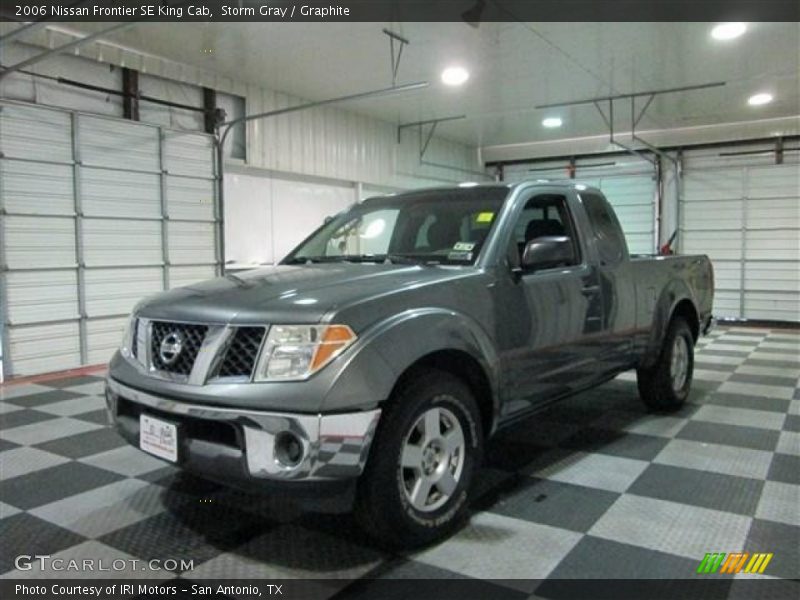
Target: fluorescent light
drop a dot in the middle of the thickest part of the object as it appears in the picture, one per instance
(454, 75)
(551, 122)
(728, 31)
(759, 99)
(467, 184)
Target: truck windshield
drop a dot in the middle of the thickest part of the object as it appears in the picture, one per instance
(427, 227)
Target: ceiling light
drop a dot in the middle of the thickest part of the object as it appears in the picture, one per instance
(467, 184)
(551, 122)
(759, 99)
(728, 31)
(454, 75)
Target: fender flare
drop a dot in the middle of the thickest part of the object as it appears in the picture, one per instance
(675, 292)
(384, 352)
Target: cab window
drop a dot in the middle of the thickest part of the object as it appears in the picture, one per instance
(544, 215)
(607, 232)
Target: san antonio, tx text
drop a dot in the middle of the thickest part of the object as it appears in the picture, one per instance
(177, 12)
(60, 589)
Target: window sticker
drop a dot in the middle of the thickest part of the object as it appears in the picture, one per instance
(464, 246)
(484, 217)
(460, 256)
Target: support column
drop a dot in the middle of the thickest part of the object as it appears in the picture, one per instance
(79, 254)
(130, 90)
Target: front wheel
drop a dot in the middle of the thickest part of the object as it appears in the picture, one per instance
(428, 446)
(665, 386)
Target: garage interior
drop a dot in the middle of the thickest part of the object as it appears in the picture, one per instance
(113, 187)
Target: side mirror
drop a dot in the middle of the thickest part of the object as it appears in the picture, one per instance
(548, 252)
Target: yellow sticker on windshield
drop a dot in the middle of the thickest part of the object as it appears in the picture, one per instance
(484, 217)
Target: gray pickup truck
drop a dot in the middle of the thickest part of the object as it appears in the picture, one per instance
(373, 363)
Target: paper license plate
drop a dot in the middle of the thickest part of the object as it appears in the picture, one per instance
(158, 437)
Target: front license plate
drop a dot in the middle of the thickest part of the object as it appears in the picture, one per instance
(158, 437)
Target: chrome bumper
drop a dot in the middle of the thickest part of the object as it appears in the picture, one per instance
(333, 446)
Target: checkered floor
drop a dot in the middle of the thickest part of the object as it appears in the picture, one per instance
(593, 488)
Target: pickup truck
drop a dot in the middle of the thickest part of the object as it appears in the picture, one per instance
(372, 364)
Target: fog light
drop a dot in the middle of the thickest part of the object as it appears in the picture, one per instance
(288, 449)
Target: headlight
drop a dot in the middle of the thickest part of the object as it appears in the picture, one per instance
(297, 351)
(126, 348)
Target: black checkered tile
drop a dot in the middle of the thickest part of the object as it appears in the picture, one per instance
(593, 487)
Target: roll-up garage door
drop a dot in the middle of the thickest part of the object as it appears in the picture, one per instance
(629, 184)
(97, 214)
(743, 210)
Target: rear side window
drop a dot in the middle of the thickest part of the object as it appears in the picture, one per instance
(608, 236)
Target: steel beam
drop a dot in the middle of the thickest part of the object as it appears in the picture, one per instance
(289, 109)
(426, 122)
(27, 28)
(395, 62)
(686, 88)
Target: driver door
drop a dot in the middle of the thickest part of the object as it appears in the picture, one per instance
(551, 317)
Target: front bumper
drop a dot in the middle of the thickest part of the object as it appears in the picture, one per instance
(238, 446)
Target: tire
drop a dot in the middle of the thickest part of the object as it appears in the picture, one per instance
(392, 504)
(665, 386)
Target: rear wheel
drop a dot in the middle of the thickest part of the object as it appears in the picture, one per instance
(666, 385)
(416, 484)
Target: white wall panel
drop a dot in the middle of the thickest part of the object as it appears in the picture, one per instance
(190, 198)
(743, 210)
(38, 242)
(118, 144)
(113, 193)
(170, 116)
(336, 143)
(36, 188)
(35, 133)
(714, 215)
(772, 305)
(298, 208)
(27, 88)
(108, 242)
(723, 245)
(248, 219)
(43, 348)
(188, 154)
(64, 296)
(103, 337)
(191, 243)
(552, 170)
(181, 276)
(116, 291)
(36, 296)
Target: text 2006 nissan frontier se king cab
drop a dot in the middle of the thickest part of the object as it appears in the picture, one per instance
(376, 359)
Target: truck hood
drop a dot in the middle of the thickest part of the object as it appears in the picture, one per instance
(290, 294)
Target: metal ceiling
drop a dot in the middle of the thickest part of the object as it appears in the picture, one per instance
(514, 67)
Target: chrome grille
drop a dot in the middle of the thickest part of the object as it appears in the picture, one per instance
(240, 359)
(191, 339)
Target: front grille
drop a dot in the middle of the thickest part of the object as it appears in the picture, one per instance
(181, 349)
(240, 359)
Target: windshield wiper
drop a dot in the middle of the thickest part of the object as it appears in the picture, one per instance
(338, 258)
(407, 259)
(361, 258)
